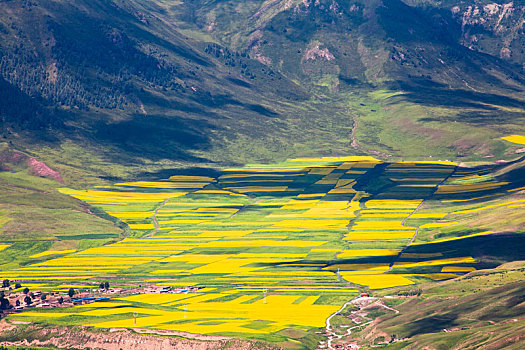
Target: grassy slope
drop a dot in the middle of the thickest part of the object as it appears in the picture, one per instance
(483, 308)
(35, 217)
(215, 115)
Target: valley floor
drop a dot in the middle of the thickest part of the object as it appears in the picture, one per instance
(268, 253)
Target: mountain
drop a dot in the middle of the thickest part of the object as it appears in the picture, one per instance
(151, 84)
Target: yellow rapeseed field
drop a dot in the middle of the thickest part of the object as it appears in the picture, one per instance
(161, 184)
(191, 178)
(392, 204)
(446, 261)
(455, 238)
(336, 159)
(378, 235)
(458, 269)
(4, 246)
(519, 139)
(468, 188)
(257, 229)
(368, 252)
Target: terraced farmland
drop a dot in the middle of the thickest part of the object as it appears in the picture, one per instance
(280, 246)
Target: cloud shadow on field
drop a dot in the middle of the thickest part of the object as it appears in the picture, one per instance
(166, 173)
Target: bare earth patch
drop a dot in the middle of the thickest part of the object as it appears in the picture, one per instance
(118, 338)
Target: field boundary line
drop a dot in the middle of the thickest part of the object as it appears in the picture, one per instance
(417, 227)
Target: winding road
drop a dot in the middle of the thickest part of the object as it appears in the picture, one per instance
(154, 218)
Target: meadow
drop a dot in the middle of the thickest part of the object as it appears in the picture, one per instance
(277, 247)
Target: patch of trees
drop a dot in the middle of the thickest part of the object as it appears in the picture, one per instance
(110, 53)
(410, 292)
(17, 109)
(59, 86)
(231, 58)
(90, 65)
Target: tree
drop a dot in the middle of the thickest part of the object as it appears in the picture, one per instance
(101, 286)
(4, 304)
(44, 297)
(71, 292)
(17, 302)
(27, 300)
(18, 285)
(61, 300)
(392, 338)
(6, 283)
(106, 285)
(26, 290)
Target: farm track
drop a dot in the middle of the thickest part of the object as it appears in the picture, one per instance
(244, 207)
(332, 336)
(154, 218)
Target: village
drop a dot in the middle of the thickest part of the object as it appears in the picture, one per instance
(16, 298)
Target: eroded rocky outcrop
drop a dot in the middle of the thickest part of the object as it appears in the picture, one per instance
(10, 159)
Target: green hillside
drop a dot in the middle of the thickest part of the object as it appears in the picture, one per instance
(483, 309)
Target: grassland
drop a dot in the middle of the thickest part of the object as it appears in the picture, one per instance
(480, 309)
(303, 236)
(38, 222)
